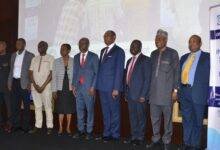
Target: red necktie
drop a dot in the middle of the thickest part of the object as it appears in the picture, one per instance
(83, 60)
(130, 71)
(82, 63)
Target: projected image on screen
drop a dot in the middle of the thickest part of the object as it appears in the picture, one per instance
(66, 21)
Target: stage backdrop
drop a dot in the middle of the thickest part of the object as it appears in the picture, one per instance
(60, 21)
(214, 101)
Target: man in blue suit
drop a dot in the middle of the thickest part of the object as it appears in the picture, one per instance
(193, 93)
(137, 84)
(85, 70)
(110, 84)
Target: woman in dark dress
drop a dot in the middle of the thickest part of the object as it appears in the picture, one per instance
(62, 87)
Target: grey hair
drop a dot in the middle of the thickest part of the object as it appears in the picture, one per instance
(162, 33)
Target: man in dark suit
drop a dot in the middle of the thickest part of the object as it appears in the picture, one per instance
(137, 85)
(110, 84)
(19, 85)
(85, 69)
(193, 93)
(4, 92)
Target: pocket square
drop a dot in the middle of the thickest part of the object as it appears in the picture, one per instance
(109, 56)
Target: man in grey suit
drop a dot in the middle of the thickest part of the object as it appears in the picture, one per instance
(85, 70)
(19, 85)
(163, 90)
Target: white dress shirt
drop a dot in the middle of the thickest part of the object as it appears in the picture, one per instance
(108, 49)
(18, 65)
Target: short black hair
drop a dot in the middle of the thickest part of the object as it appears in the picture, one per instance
(22, 40)
(138, 42)
(68, 46)
(84, 38)
(112, 32)
(43, 43)
(197, 37)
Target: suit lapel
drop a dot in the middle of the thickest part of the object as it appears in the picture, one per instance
(199, 65)
(78, 59)
(109, 53)
(13, 59)
(88, 58)
(24, 61)
(184, 60)
(127, 65)
(138, 61)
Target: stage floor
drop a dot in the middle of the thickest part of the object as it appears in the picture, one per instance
(41, 141)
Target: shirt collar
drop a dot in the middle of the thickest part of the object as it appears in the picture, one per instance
(110, 46)
(196, 53)
(84, 53)
(137, 55)
(21, 53)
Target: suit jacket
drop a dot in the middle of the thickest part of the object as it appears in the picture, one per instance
(140, 79)
(111, 70)
(88, 71)
(58, 73)
(200, 87)
(25, 80)
(168, 76)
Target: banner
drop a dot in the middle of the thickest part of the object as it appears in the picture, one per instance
(214, 98)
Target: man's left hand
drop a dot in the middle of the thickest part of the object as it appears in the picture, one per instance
(115, 93)
(174, 96)
(141, 99)
(92, 91)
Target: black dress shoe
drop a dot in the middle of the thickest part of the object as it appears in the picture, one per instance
(59, 133)
(184, 147)
(167, 146)
(25, 130)
(106, 139)
(116, 140)
(34, 130)
(127, 140)
(137, 142)
(15, 129)
(98, 137)
(89, 136)
(78, 135)
(49, 131)
(154, 144)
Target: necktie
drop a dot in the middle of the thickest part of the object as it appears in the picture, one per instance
(186, 69)
(105, 53)
(130, 71)
(82, 63)
(83, 60)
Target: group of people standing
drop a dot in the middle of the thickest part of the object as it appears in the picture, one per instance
(158, 80)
